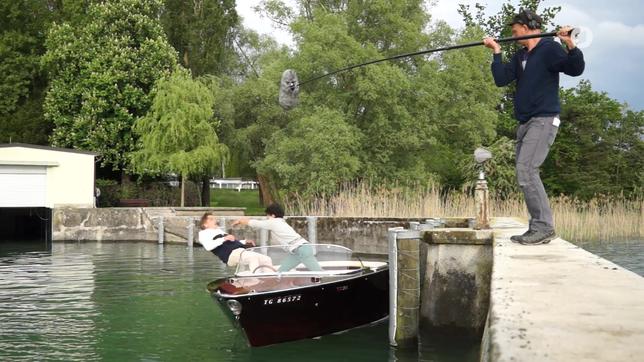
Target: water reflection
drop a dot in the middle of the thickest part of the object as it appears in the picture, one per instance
(46, 305)
(143, 301)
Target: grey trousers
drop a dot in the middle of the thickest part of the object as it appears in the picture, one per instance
(534, 139)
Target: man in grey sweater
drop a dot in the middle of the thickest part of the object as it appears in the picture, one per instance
(300, 251)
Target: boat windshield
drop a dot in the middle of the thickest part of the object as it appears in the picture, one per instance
(318, 259)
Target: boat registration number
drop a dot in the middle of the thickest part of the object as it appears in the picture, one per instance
(284, 299)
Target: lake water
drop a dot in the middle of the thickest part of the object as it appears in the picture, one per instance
(626, 253)
(145, 302)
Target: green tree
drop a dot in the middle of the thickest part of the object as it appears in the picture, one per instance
(461, 103)
(313, 155)
(402, 113)
(599, 146)
(102, 68)
(23, 25)
(178, 134)
(203, 33)
(248, 108)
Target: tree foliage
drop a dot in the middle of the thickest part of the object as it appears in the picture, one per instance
(203, 33)
(496, 25)
(23, 25)
(102, 69)
(599, 148)
(178, 134)
(314, 154)
(407, 115)
(87, 69)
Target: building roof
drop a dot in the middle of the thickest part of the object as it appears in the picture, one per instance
(47, 148)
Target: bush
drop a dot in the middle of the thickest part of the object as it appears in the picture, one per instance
(109, 192)
(157, 193)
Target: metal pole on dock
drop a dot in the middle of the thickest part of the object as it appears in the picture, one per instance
(160, 229)
(404, 286)
(191, 232)
(312, 229)
(393, 284)
(404, 283)
(482, 201)
(263, 237)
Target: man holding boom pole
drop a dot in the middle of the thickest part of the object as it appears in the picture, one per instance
(536, 69)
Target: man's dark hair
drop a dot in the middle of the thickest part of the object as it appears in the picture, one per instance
(528, 18)
(275, 209)
(204, 218)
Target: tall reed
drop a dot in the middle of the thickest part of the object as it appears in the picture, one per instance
(601, 218)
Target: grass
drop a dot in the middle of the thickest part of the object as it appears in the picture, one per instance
(232, 198)
(598, 219)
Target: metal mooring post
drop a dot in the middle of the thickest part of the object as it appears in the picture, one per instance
(160, 229)
(482, 200)
(404, 286)
(191, 231)
(312, 229)
(263, 237)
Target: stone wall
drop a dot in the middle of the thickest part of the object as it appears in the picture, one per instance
(362, 235)
(101, 224)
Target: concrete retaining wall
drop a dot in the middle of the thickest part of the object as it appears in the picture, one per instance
(101, 224)
(363, 235)
(456, 289)
(127, 223)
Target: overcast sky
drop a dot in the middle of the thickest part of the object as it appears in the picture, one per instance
(613, 60)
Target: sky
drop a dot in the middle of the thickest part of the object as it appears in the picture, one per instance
(613, 59)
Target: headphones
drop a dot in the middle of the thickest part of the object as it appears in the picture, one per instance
(533, 20)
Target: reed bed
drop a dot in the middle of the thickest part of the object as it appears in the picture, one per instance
(602, 218)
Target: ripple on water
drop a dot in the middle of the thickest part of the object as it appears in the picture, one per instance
(141, 301)
(626, 253)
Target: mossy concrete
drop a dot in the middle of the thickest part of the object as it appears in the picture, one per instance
(455, 287)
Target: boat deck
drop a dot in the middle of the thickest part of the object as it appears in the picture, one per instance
(249, 283)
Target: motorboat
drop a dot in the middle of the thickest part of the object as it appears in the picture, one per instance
(272, 306)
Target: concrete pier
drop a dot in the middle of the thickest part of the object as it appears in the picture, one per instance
(439, 280)
(558, 302)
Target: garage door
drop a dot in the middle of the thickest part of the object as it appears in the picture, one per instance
(23, 186)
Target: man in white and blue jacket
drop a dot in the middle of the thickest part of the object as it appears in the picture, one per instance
(228, 248)
(535, 68)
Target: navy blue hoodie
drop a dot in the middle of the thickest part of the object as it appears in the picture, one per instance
(538, 85)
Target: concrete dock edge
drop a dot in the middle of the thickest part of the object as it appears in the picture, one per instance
(558, 302)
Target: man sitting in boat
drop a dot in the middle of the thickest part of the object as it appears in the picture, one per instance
(227, 247)
(300, 251)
